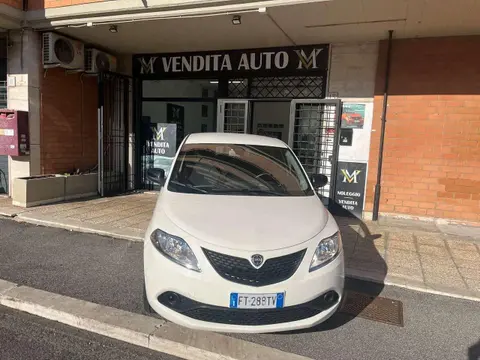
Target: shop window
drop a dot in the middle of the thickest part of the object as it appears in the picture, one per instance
(179, 88)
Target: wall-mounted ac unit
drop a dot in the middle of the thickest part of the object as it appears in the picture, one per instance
(61, 51)
(97, 61)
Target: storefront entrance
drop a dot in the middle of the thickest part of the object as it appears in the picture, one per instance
(277, 92)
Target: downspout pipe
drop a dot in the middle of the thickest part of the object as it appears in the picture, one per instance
(378, 186)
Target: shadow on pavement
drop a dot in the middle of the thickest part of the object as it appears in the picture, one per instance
(364, 262)
(474, 351)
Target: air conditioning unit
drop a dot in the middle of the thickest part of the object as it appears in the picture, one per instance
(61, 51)
(97, 61)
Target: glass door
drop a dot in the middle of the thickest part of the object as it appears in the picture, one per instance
(232, 116)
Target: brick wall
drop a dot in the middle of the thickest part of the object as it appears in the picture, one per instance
(17, 4)
(432, 144)
(68, 122)
(46, 4)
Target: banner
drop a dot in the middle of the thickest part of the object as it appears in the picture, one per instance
(295, 59)
(350, 187)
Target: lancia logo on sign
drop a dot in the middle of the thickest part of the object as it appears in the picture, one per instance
(257, 261)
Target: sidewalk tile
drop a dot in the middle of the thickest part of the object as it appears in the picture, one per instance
(400, 237)
(401, 245)
(433, 250)
(401, 256)
(431, 240)
(461, 263)
(473, 274)
(369, 254)
(473, 285)
(431, 262)
(407, 273)
(378, 267)
(461, 245)
(466, 255)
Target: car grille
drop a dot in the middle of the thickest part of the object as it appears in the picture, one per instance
(249, 317)
(239, 270)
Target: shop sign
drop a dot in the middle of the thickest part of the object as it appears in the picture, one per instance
(161, 147)
(296, 59)
(350, 187)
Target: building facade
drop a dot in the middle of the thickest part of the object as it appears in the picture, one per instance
(313, 73)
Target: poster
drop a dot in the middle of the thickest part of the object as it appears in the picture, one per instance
(161, 147)
(350, 187)
(353, 116)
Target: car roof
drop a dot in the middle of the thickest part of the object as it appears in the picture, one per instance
(231, 138)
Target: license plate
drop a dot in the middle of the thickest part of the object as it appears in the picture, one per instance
(257, 301)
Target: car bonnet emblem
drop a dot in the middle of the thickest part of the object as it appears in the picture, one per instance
(257, 261)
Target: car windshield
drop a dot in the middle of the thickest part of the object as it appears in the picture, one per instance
(236, 169)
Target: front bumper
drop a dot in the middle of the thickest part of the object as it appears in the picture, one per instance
(205, 296)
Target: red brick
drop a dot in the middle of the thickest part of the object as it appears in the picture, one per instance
(462, 196)
(68, 127)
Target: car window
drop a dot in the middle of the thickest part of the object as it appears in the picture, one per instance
(238, 169)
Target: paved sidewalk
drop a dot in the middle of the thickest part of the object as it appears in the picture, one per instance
(417, 255)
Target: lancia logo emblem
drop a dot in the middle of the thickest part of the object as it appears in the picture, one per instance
(257, 261)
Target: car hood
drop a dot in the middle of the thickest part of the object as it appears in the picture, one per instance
(250, 223)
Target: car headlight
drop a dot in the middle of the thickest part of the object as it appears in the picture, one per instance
(175, 249)
(326, 250)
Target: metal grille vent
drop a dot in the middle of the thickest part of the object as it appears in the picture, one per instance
(238, 88)
(287, 87)
(46, 48)
(88, 58)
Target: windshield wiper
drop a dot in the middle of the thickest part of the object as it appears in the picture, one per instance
(248, 191)
(188, 186)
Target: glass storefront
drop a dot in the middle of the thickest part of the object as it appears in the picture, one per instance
(189, 104)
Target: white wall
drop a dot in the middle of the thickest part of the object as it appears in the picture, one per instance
(272, 113)
(24, 68)
(351, 78)
(352, 70)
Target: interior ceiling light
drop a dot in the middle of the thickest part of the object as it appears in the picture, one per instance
(113, 29)
(236, 20)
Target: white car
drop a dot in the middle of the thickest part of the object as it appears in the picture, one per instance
(240, 241)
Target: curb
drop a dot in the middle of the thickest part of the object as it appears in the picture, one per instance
(360, 275)
(79, 228)
(136, 329)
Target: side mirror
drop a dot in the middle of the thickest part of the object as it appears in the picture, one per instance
(319, 180)
(156, 175)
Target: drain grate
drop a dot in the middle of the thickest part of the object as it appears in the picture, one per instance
(369, 307)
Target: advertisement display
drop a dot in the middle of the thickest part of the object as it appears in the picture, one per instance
(160, 147)
(350, 187)
(353, 116)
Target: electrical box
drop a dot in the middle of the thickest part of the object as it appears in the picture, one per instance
(14, 134)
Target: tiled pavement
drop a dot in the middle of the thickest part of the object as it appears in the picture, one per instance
(405, 253)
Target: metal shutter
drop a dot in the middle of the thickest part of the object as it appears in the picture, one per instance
(3, 174)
